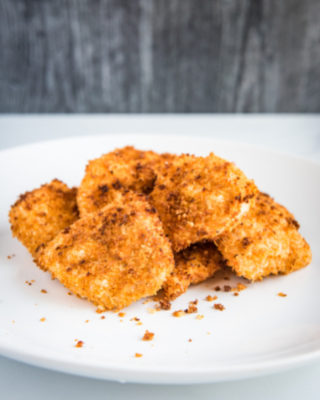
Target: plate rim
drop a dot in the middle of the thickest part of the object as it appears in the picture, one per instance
(141, 374)
(160, 136)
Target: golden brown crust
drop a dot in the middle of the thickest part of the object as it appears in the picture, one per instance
(266, 242)
(193, 265)
(107, 177)
(158, 161)
(112, 257)
(198, 198)
(38, 216)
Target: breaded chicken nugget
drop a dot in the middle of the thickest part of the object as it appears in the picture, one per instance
(160, 161)
(192, 265)
(113, 173)
(266, 242)
(198, 198)
(112, 257)
(38, 216)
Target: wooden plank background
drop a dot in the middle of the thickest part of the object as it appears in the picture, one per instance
(102, 56)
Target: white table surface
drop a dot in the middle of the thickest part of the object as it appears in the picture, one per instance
(297, 134)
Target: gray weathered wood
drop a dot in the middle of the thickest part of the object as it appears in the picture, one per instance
(159, 56)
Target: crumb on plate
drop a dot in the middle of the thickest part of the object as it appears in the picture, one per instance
(148, 336)
(165, 304)
(191, 309)
(240, 287)
(219, 307)
(178, 314)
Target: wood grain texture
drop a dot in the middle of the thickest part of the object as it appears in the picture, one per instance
(102, 56)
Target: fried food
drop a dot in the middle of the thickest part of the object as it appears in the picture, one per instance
(266, 242)
(112, 257)
(107, 177)
(156, 221)
(193, 265)
(199, 198)
(38, 216)
(160, 161)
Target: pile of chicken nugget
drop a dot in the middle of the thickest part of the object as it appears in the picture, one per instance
(141, 222)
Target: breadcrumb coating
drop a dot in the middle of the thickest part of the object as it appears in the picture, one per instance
(107, 177)
(38, 216)
(112, 257)
(159, 161)
(266, 242)
(193, 265)
(199, 198)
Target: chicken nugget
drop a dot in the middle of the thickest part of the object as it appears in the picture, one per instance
(266, 242)
(38, 216)
(192, 265)
(160, 161)
(116, 172)
(198, 198)
(112, 257)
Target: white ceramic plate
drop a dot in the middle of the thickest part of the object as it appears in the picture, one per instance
(258, 333)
